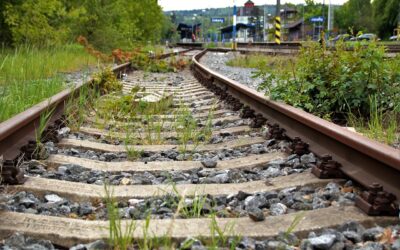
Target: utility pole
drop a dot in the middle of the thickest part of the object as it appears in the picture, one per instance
(264, 22)
(278, 22)
(329, 18)
(234, 46)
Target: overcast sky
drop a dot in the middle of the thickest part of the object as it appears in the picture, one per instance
(202, 4)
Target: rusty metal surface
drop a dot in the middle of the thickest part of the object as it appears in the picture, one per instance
(18, 130)
(364, 160)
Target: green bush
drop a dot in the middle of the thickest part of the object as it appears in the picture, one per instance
(106, 81)
(333, 83)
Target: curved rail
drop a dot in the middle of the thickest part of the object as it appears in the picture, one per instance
(364, 160)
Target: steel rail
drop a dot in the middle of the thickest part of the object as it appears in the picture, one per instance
(364, 160)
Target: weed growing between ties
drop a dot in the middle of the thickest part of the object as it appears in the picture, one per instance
(339, 85)
(40, 151)
(189, 131)
(121, 233)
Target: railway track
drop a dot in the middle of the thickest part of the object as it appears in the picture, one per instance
(273, 48)
(207, 162)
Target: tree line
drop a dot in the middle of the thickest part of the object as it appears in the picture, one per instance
(107, 24)
(379, 16)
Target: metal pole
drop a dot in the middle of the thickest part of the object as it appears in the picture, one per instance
(329, 19)
(234, 26)
(264, 25)
(278, 22)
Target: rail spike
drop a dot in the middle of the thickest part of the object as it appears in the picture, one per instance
(299, 147)
(10, 173)
(247, 112)
(258, 121)
(276, 132)
(327, 168)
(376, 201)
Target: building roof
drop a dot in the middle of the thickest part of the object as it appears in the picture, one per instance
(239, 26)
(249, 2)
(294, 24)
(187, 27)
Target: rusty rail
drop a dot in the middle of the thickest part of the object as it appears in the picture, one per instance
(364, 160)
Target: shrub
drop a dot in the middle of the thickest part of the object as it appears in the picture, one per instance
(106, 81)
(333, 83)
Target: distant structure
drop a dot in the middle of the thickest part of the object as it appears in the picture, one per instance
(252, 20)
(253, 17)
(188, 32)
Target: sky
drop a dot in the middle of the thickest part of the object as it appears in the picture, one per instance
(203, 4)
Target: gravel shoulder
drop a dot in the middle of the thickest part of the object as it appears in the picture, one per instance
(217, 62)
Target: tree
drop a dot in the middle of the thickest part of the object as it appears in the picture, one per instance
(386, 16)
(356, 16)
(35, 21)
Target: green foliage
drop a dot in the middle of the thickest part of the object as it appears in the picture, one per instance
(355, 15)
(386, 16)
(106, 81)
(106, 24)
(37, 22)
(332, 84)
(29, 75)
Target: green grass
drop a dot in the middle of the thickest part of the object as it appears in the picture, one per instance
(29, 75)
(380, 125)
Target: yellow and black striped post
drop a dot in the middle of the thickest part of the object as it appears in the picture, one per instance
(278, 30)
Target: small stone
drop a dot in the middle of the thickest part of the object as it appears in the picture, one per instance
(191, 243)
(349, 183)
(278, 209)
(352, 236)
(308, 158)
(246, 243)
(324, 241)
(256, 214)
(62, 170)
(97, 245)
(65, 209)
(242, 195)
(63, 131)
(52, 198)
(396, 245)
(27, 202)
(219, 178)
(271, 172)
(261, 245)
(125, 181)
(372, 234)
(209, 163)
(133, 202)
(372, 246)
(255, 201)
(85, 209)
(276, 245)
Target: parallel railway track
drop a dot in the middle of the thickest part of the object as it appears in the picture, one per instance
(284, 47)
(255, 170)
